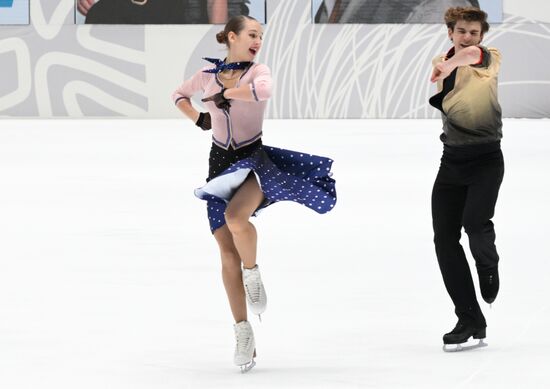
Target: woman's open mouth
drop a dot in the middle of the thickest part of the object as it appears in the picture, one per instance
(253, 51)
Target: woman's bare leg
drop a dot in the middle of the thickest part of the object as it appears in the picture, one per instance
(243, 204)
(231, 273)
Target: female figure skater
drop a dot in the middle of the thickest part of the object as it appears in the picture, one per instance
(245, 175)
(471, 171)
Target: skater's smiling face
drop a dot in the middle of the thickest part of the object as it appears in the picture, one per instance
(465, 34)
(245, 45)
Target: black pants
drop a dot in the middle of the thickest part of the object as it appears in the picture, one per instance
(464, 195)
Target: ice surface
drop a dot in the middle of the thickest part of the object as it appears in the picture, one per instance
(109, 277)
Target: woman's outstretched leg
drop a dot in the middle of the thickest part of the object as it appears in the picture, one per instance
(245, 347)
(243, 204)
(231, 273)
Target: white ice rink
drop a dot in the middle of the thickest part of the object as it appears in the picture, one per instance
(110, 279)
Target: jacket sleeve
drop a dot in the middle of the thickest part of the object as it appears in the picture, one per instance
(190, 86)
(489, 65)
(261, 83)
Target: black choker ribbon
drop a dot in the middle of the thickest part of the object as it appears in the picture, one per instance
(221, 65)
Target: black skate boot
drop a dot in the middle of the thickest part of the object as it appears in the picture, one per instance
(454, 340)
(489, 284)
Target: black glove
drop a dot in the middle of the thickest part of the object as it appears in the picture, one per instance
(204, 121)
(220, 101)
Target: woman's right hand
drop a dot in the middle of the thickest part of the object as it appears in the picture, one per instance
(84, 6)
(204, 121)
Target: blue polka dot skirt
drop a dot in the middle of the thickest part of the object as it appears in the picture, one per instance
(283, 175)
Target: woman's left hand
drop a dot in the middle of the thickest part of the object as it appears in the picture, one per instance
(219, 99)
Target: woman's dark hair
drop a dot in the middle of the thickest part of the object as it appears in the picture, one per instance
(235, 24)
(468, 14)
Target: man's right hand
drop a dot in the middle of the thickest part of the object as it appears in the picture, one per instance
(441, 71)
(84, 6)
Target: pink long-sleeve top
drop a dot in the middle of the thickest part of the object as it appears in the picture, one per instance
(242, 123)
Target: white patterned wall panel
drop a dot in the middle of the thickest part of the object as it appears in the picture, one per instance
(53, 68)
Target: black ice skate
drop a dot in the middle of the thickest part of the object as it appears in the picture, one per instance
(457, 339)
(489, 284)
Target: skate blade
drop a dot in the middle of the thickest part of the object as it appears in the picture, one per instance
(246, 368)
(452, 348)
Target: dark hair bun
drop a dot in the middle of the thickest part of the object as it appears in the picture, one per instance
(221, 37)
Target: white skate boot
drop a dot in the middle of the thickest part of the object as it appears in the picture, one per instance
(245, 350)
(255, 291)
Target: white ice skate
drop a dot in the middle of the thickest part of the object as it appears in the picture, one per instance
(255, 291)
(245, 349)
